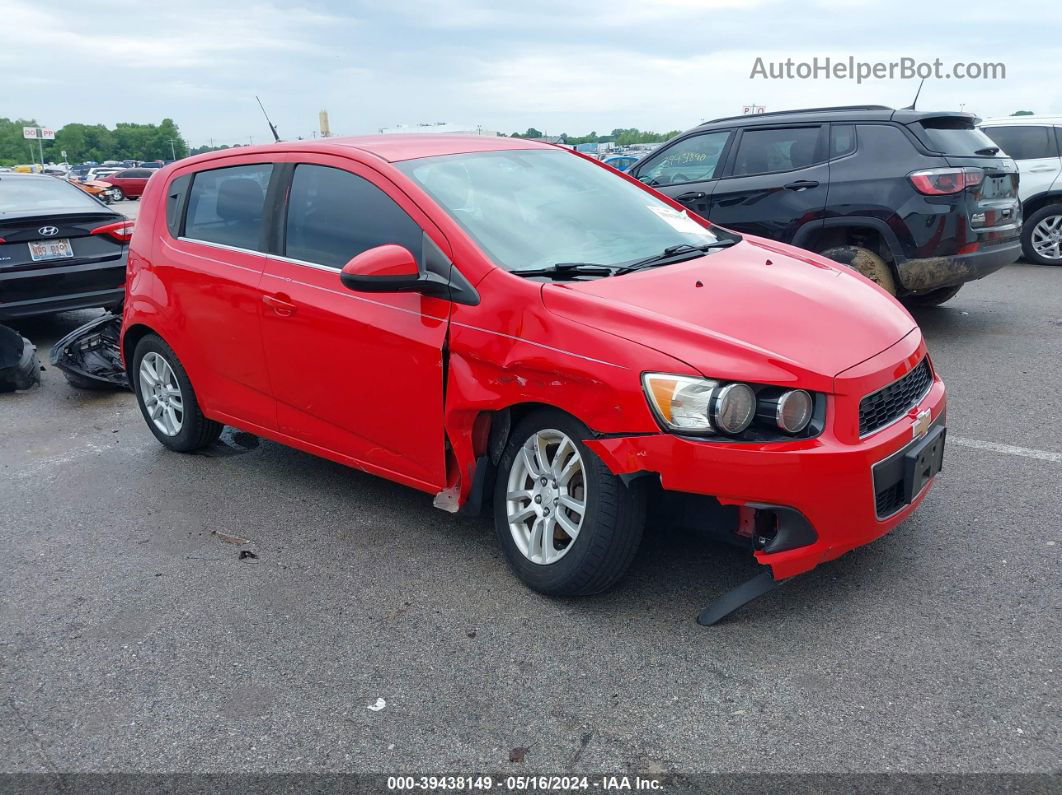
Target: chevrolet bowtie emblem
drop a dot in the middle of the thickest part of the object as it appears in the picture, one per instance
(922, 421)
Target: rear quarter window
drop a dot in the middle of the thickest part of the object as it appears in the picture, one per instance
(175, 201)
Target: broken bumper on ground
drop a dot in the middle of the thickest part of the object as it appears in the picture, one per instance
(91, 354)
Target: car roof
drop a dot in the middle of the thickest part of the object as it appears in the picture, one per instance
(391, 148)
(1055, 121)
(840, 113)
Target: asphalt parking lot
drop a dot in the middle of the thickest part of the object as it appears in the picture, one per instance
(134, 637)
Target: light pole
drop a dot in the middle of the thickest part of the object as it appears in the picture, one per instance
(172, 150)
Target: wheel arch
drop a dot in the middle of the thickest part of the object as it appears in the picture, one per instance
(865, 231)
(130, 339)
(1036, 203)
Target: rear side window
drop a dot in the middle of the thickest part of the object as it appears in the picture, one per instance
(842, 140)
(951, 135)
(334, 215)
(138, 173)
(693, 159)
(175, 197)
(765, 151)
(1024, 142)
(225, 206)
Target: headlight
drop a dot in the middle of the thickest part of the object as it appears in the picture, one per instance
(680, 402)
(789, 410)
(699, 405)
(702, 406)
(733, 407)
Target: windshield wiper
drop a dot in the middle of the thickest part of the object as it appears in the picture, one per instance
(567, 269)
(988, 151)
(676, 253)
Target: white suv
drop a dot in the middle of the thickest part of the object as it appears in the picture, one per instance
(1035, 143)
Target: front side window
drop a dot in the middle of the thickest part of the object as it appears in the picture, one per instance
(334, 215)
(767, 151)
(225, 206)
(532, 209)
(693, 159)
(1024, 142)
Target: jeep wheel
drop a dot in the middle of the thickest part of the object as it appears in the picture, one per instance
(866, 262)
(1041, 236)
(933, 297)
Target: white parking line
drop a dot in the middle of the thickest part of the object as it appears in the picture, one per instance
(1009, 449)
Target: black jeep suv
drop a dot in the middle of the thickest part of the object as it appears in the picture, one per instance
(919, 202)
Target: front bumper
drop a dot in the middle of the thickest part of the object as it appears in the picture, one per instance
(39, 291)
(828, 480)
(932, 273)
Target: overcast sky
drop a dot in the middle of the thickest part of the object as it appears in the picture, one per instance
(571, 66)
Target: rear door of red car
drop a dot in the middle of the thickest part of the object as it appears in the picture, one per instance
(208, 270)
(356, 374)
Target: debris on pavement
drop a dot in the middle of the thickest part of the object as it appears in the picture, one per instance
(230, 539)
(89, 356)
(248, 556)
(517, 754)
(378, 705)
(19, 366)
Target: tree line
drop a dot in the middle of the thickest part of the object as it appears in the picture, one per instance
(621, 136)
(82, 142)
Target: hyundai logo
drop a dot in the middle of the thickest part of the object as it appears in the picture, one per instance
(48, 231)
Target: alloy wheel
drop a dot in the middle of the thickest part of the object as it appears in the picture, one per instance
(161, 394)
(545, 501)
(1047, 237)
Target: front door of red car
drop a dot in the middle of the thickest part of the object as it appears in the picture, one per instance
(353, 373)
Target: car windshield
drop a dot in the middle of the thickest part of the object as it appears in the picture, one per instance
(958, 137)
(31, 194)
(532, 209)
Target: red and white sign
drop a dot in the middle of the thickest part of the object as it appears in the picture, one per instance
(47, 135)
(29, 132)
(752, 110)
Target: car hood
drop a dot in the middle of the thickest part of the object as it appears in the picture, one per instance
(758, 311)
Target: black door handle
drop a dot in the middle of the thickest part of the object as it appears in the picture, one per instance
(693, 195)
(802, 184)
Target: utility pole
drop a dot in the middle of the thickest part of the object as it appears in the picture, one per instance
(40, 143)
(172, 150)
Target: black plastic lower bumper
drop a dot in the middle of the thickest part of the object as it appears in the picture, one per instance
(41, 291)
(932, 273)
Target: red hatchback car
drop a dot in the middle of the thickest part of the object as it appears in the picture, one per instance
(130, 183)
(498, 321)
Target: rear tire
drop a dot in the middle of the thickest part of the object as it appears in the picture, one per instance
(117, 195)
(866, 262)
(608, 529)
(1043, 230)
(79, 381)
(189, 429)
(933, 297)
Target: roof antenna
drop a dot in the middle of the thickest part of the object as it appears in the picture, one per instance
(917, 93)
(272, 127)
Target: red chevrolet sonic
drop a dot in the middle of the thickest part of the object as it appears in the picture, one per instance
(501, 322)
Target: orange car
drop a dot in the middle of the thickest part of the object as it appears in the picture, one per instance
(103, 191)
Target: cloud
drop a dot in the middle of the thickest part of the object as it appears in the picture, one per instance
(552, 64)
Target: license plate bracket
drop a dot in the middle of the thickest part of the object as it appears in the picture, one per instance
(922, 462)
(43, 250)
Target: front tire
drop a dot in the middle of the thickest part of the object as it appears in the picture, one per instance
(866, 262)
(167, 400)
(1041, 236)
(567, 525)
(117, 195)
